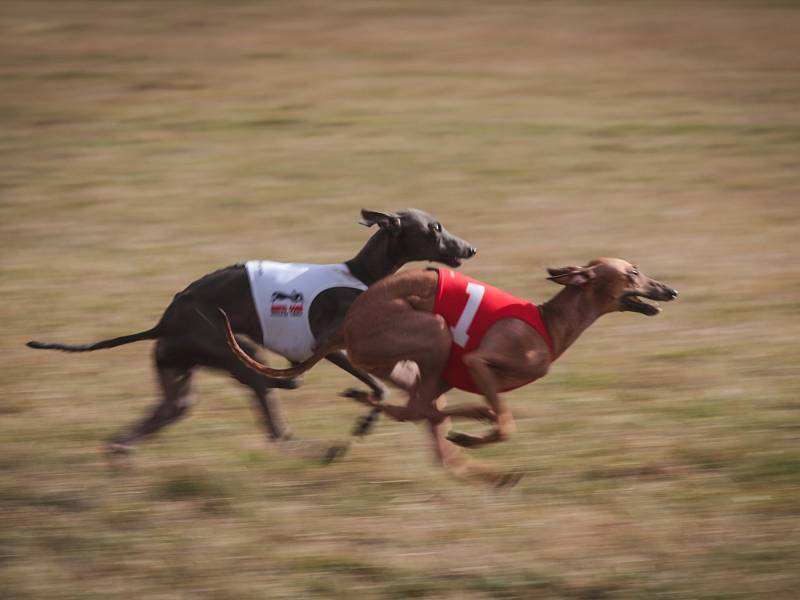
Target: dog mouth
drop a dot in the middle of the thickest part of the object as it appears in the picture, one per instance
(454, 258)
(450, 261)
(453, 261)
(636, 303)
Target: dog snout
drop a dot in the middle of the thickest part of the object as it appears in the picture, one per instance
(460, 248)
(665, 293)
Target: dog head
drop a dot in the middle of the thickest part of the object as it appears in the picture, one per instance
(615, 285)
(420, 236)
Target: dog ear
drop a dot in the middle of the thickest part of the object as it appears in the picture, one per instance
(571, 275)
(388, 221)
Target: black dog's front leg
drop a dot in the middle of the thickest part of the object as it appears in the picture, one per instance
(364, 424)
(339, 358)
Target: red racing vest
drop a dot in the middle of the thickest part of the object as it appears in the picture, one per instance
(470, 307)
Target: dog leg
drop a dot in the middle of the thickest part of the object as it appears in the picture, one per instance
(453, 459)
(397, 413)
(405, 375)
(279, 433)
(267, 404)
(482, 367)
(366, 423)
(339, 358)
(176, 400)
(426, 403)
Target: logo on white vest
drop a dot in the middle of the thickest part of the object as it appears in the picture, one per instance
(287, 305)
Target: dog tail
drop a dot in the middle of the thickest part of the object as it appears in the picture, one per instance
(150, 334)
(289, 373)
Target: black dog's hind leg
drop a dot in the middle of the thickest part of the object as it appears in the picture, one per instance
(176, 360)
(177, 398)
(278, 432)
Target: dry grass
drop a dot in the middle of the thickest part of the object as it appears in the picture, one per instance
(144, 144)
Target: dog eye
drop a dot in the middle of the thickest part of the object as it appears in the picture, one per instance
(634, 271)
(437, 227)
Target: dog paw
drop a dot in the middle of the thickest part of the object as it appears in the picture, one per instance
(288, 384)
(117, 456)
(359, 396)
(464, 440)
(114, 449)
(365, 424)
(509, 480)
(336, 452)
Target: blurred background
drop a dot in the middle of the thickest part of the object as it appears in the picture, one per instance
(144, 144)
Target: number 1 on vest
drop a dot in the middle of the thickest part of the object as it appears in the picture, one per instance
(475, 295)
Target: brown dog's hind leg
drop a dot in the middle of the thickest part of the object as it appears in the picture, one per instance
(406, 376)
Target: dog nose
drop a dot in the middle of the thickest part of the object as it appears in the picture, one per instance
(673, 293)
(471, 251)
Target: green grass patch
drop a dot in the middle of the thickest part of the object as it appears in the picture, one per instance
(192, 485)
(781, 468)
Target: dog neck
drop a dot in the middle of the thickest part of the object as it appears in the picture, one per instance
(567, 315)
(378, 258)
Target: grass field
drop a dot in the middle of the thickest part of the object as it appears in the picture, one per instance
(144, 144)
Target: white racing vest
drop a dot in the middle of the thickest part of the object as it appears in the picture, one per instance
(283, 293)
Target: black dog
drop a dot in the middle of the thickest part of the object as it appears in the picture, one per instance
(187, 338)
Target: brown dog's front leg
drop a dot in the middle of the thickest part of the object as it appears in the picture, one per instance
(453, 459)
(484, 378)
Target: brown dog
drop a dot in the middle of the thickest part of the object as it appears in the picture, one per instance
(396, 331)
